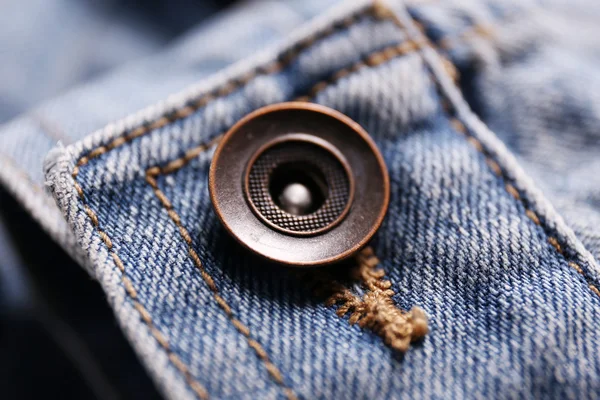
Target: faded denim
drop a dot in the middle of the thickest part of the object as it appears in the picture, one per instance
(481, 233)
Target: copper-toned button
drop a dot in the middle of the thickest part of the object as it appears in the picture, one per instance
(299, 183)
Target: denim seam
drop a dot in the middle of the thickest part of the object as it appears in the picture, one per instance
(273, 67)
(373, 59)
(41, 207)
(462, 128)
(272, 369)
(144, 314)
(225, 89)
(189, 108)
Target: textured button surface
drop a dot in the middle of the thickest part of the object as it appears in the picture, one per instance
(299, 183)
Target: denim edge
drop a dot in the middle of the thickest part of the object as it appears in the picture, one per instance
(552, 221)
(61, 161)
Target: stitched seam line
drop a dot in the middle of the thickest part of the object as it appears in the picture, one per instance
(144, 314)
(379, 13)
(461, 128)
(372, 60)
(272, 369)
(152, 173)
(273, 67)
(192, 106)
(181, 113)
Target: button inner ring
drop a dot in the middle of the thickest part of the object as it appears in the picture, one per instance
(299, 184)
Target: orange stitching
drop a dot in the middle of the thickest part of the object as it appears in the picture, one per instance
(554, 242)
(576, 267)
(144, 314)
(373, 59)
(273, 371)
(391, 335)
(494, 166)
(513, 191)
(225, 89)
(159, 122)
(129, 286)
(384, 55)
(377, 11)
(533, 216)
(457, 125)
(475, 143)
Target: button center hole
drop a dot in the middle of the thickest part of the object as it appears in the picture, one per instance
(298, 188)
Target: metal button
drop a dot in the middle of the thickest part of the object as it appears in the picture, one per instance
(299, 183)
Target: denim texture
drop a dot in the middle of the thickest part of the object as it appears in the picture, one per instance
(204, 51)
(510, 291)
(43, 57)
(55, 325)
(530, 72)
(492, 228)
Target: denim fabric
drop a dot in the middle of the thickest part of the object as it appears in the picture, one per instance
(493, 221)
(530, 72)
(510, 291)
(205, 50)
(49, 46)
(55, 326)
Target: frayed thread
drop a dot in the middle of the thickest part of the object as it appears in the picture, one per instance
(375, 310)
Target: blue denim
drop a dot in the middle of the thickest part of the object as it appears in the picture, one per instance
(485, 185)
(532, 77)
(49, 46)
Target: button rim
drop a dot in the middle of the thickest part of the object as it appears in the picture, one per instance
(328, 112)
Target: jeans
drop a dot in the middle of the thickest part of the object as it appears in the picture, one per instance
(488, 127)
